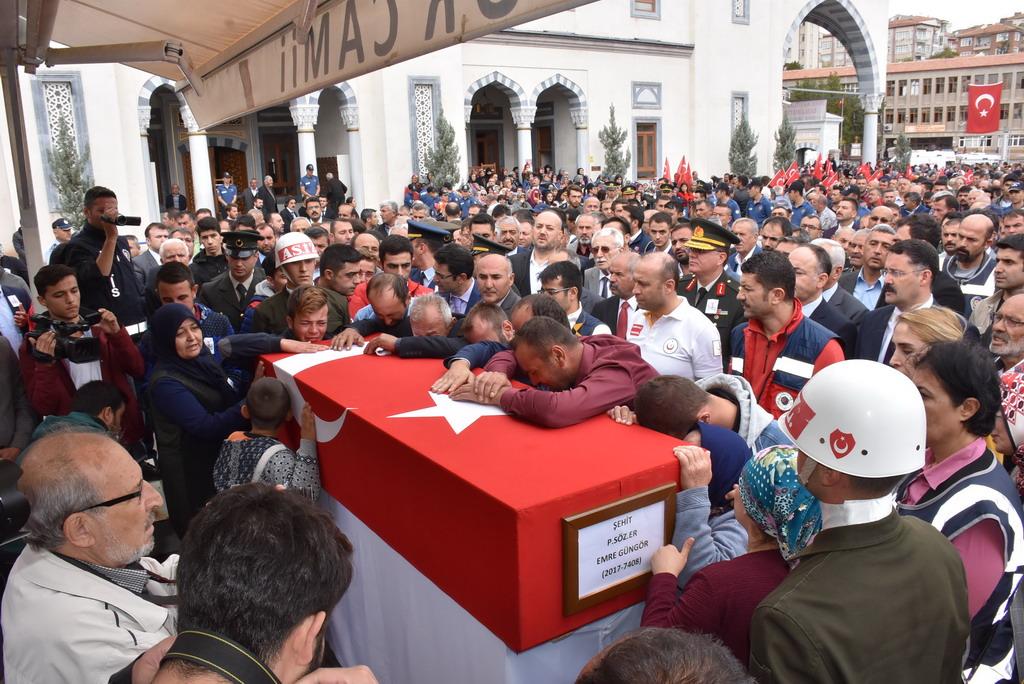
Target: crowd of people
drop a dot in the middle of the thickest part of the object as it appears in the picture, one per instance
(842, 366)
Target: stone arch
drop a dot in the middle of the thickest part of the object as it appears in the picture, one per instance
(307, 99)
(842, 19)
(577, 98)
(516, 95)
(150, 86)
(228, 141)
(347, 93)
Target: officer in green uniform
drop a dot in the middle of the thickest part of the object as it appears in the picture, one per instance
(707, 287)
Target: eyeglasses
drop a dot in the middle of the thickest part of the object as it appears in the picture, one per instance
(1006, 320)
(895, 273)
(554, 290)
(113, 502)
(601, 250)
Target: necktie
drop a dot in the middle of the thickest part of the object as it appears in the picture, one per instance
(623, 322)
(604, 287)
(240, 289)
(457, 306)
(702, 292)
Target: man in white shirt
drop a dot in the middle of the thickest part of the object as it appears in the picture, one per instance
(674, 337)
(149, 260)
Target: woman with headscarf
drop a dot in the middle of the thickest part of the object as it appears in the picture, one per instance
(195, 408)
(781, 518)
(1008, 434)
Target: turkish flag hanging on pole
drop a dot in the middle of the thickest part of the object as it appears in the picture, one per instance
(818, 170)
(666, 174)
(983, 107)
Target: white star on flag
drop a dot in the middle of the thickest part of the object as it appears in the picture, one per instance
(459, 414)
(983, 112)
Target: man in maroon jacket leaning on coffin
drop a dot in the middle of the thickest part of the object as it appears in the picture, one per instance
(573, 378)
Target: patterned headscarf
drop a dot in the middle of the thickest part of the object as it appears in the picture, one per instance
(1012, 385)
(775, 499)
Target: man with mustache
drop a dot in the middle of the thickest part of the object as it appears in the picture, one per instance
(605, 244)
(973, 264)
(909, 272)
(83, 600)
(1008, 333)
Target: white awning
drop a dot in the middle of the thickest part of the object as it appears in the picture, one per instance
(246, 55)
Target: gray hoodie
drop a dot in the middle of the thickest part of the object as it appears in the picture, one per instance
(757, 427)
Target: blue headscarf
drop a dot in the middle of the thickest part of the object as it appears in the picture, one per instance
(775, 499)
(728, 454)
(163, 329)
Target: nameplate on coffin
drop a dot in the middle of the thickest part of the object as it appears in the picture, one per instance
(607, 551)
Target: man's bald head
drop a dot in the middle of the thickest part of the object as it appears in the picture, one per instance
(662, 264)
(63, 473)
(494, 262)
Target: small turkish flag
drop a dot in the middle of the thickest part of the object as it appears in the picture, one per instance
(819, 172)
(983, 107)
(779, 179)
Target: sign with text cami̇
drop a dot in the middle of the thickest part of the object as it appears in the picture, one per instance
(349, 38)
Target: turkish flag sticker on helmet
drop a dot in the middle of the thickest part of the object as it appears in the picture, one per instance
(841, 443)
(798, 417)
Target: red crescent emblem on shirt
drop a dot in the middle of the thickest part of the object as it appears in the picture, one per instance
(841, 443)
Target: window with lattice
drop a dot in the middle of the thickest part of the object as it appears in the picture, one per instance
(59, 105)
(423, 112)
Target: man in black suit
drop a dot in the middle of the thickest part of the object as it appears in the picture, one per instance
(909, 272)
(334, 190)
(611, 311)
(250, 195)
(175, 200)
(230, 292)
(812, 264)
(493, 274)
(840, 299)
(266, 193)
(548, 235)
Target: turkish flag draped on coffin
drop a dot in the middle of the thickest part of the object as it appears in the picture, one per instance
(983, 107)
(469, 496)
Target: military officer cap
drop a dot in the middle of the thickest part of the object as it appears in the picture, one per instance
(629, 191)
(240, 244)
(482, 245)
(667, 186)
(708, 236)
(612, 186)
(429, 229)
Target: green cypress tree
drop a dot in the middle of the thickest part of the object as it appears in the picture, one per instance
(612, 137)
(785, 143)
(69, 174)
(443, 161)
(742, 159)
(903, 151)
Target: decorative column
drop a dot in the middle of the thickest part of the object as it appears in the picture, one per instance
(869, 149)
(199, 162)
(523, 119)
(304, 117)
(152, 198)
(579, 120)
(350, 117)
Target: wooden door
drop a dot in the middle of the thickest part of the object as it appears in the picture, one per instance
(280, 161)
(487, 145)
(325, 165)
(544, 155)
(646, 150)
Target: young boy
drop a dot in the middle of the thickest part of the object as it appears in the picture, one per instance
(257, 455)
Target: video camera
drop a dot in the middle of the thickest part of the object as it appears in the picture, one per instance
(75, 350)
(123, 220)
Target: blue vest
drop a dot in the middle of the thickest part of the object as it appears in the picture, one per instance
(978, 491)
(795, 364)
(585, 324)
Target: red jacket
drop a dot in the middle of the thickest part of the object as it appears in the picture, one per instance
(50, 389)
(610, 372)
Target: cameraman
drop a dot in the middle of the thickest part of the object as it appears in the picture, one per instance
(51, 379)
(102, 262)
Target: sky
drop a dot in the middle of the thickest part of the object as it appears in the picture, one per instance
(960, 14)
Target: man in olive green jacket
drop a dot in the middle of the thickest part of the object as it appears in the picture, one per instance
(876, 597)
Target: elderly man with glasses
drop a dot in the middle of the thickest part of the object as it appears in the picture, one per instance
(82, 601)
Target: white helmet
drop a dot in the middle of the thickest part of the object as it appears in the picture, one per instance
(294, 247)
(862, 418)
